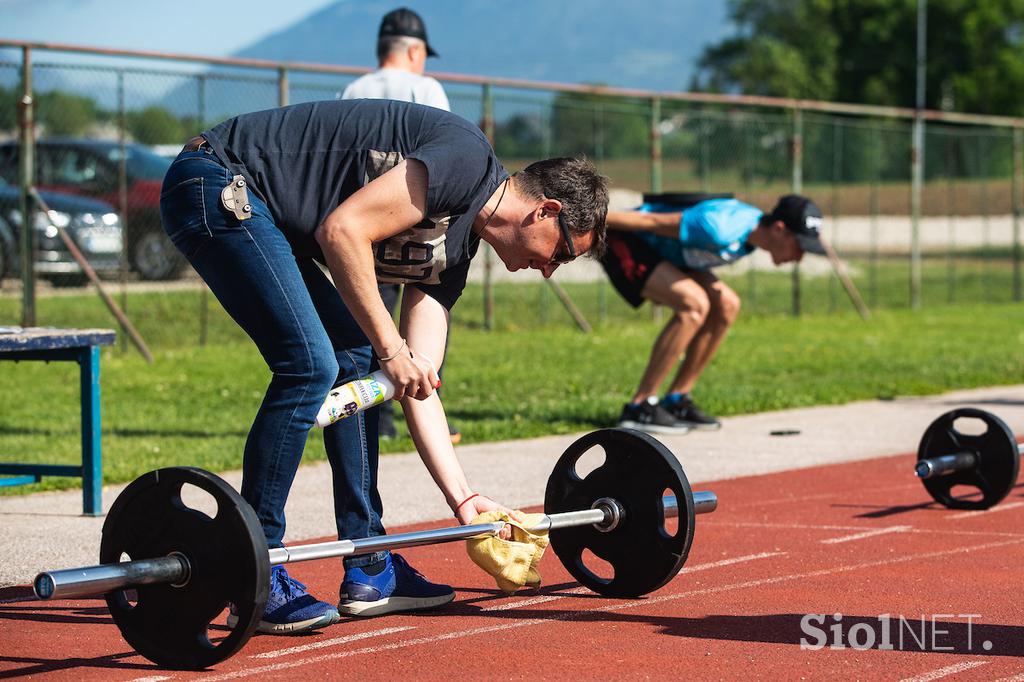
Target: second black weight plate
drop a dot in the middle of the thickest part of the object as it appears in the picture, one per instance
(636, 471)
(996, 452)
(227, 552)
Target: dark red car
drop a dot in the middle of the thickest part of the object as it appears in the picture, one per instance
(92, 168)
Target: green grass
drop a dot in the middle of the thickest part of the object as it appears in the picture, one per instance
(534, 375)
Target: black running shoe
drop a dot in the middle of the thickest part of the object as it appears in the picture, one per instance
(686, 412)
(650, 417)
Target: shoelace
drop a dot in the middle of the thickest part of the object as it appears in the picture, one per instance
(398, 560)
(288, 583)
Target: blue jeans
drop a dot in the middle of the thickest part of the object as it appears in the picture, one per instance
(306, 335)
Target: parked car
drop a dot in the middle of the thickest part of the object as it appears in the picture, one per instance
(92, 168)
(94, 226)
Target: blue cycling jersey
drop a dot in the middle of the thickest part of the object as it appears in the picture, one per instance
(711, 233)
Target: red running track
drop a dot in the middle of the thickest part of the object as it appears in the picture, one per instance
(861, 540)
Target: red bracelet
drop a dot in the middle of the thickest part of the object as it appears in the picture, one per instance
(459, 506)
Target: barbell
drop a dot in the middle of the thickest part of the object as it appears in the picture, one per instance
(168, 570)
(948, 457)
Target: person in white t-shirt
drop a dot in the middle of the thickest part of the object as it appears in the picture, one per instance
(402, 51)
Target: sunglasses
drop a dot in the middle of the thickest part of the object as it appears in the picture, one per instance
(561, 257)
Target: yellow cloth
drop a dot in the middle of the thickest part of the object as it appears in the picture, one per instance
(512, 563)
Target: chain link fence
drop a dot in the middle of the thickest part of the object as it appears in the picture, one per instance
(105, 126)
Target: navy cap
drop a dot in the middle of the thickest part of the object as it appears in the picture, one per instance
(403, 22)
(803, 218)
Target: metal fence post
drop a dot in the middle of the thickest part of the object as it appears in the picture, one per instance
(950, 212)
(986, 224)
(705, 153)
(28, 273)
(656, 170)
(122, 196)
(488, 112)
(797, 151)
(837, 179)
(1018, 172)
(656, 144)
(748, 178)
(916, 180)
(876, 179)
(282, 86)
(204, 291)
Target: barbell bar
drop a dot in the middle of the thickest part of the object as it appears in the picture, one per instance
(174, 569)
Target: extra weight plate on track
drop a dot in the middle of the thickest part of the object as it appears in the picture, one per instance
(636, 472)
(996, 452)
(170, 625)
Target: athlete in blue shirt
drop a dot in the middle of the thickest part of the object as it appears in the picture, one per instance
(664, 255)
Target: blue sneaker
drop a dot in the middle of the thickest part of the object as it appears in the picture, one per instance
(399, 587)
(291, 610)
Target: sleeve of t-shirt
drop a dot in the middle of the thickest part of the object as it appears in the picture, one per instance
(693, 229)
(457, 162)
(448, 290)
(713, 224)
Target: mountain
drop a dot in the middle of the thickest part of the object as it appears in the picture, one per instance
(647, 44)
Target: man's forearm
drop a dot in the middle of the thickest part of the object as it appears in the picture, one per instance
(662, 224)
(350, 260)
(425, 324)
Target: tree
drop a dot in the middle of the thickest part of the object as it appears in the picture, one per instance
(65, 114)
(155, 125)
(864, 51)
(521, 136)
(8, 109)
(601, 127)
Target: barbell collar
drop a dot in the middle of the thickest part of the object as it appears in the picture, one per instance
(946, 464)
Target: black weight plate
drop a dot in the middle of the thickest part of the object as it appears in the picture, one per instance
(636, 472)
(997, 456)
(228, 558)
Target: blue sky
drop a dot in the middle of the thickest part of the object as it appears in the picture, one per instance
(192, 26)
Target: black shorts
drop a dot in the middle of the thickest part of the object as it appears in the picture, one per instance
(629, 261)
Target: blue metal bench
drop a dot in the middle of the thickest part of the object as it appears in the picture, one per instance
(81, 346)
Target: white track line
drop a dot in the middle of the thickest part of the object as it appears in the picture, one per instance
(825, 496)
(264, 669)
(945, 672)
(555, 616)
(535, 600)
(583, 590)
(866, 534)
(729, 562)
(332, 642)
(979, 512)
(810, 526)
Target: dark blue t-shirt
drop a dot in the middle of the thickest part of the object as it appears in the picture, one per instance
(304, 160)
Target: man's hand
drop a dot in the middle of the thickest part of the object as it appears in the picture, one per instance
(413, 375)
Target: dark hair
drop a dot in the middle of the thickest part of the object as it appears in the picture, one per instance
(581, 189)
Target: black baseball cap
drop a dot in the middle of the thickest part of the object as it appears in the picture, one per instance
(803, 218)
(403, 22)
